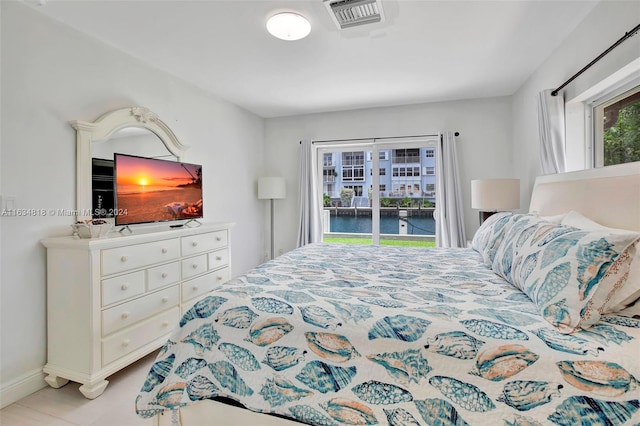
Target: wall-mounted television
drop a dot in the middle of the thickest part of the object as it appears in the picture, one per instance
(155, 190)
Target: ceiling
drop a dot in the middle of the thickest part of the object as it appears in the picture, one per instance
(424, 51)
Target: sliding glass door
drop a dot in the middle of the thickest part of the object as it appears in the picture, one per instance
(379, 191)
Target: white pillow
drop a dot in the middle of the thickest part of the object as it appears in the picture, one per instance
(630, 292)
(554, 219)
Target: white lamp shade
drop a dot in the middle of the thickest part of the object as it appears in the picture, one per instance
(271, 188)
(493, 195)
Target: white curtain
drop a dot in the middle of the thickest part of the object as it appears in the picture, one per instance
(449, 213)
(551, 126)
(309, 209)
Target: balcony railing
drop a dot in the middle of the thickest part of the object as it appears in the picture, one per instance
(404, 159)
(353, 162)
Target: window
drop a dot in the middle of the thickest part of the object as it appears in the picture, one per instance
(361, 169)
(328, 175)
(353, 158)
(357, 189)
(409, 155)
(352, 173)
(430, 153)
(429, 171)
(617, 128)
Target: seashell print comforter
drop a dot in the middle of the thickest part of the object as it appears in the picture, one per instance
(334, 334)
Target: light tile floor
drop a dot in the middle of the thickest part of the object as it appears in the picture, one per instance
(67, 407)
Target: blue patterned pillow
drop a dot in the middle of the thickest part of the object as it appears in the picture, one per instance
(517, 234)
(490, 234)
(569, 274)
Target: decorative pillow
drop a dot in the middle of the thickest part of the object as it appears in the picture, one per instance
(523, 225)
(490, 234)
(630, 292)
(568, 273)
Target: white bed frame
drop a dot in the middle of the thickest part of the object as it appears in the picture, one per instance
(609, 196)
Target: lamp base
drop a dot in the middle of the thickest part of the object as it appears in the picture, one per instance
(485, 215)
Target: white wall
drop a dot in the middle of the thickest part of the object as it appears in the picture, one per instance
(484, 145)
(52, 74)
(606, 23)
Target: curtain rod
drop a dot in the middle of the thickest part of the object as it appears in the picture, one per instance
(602, 55)
(367, 139)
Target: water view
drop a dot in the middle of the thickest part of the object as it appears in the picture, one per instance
(416, 225)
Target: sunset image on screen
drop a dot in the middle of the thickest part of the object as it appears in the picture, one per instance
(151, 190)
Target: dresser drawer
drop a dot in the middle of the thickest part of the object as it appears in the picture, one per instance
(194, 266)
(163, 275)
(221, 276)
(204, 242)
(129, 313)
(138, 255)
(130, 339)
(203, 284)
(123, 287)
(218, 259)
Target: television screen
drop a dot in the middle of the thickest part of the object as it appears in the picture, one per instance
(154, 190)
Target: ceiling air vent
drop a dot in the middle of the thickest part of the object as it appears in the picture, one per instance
(351, 13)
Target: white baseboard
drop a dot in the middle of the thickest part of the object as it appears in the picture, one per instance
(22, 386)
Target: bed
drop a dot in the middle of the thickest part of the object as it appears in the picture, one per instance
(332, 334)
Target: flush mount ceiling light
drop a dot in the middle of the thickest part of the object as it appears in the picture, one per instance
(288, 26)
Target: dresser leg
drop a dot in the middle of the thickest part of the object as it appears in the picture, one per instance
(93, 390)
(55, 381)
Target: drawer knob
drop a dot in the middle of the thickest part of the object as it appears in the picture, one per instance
(165, 323)
(123, 259)
(125, 343)
(165, 299)
(218, 257)
(124, 286)
(194, 243)
(164, 275)
(164, 250)
(194, 266)
(195, 287)
(219, 278)
(125, 315)
(218, 239)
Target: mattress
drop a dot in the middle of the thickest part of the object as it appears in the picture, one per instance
(335, 334)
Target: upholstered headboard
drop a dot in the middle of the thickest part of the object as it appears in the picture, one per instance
(608, 195)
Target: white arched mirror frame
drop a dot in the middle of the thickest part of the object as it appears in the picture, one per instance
(88, 133)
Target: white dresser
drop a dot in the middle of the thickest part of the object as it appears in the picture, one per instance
(111, 301)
